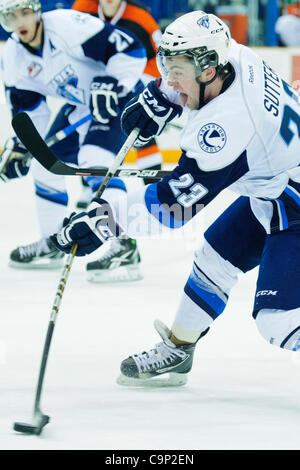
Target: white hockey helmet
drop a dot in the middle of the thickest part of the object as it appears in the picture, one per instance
(9, 6)
(201, 37)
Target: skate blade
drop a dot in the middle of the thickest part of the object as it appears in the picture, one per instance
(40, 264)
(121, 274)
(171, 380)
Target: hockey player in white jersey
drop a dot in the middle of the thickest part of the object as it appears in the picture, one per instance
(242, 133)
(93, 67)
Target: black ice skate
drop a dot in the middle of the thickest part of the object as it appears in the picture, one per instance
(38, 255)
(146, 368)
(120, 263)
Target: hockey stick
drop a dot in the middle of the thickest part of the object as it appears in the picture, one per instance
(50, 161)
(28, 134)
(60, 135)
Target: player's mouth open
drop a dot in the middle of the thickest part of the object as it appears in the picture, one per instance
(23, 32)
(183, 97)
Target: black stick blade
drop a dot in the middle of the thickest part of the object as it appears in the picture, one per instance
(26, 428)
(29, 136)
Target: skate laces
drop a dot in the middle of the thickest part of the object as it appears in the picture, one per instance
(34, 249)
(161, 356)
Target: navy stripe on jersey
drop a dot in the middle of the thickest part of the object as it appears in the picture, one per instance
(286, 208)
(23, 100)
(293, 190)
(279, 219)
(110, 41)
(183, 193)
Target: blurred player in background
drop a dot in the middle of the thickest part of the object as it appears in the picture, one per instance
(135, 17)
(95, 68)
(242, 133)
(288, 28)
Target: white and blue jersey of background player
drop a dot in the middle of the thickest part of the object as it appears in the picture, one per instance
(245, 139)
(76, 48)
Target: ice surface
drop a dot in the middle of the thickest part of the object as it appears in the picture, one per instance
(242, 393)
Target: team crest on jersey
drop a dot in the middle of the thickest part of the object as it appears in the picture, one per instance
(66, 82)
(34, 69)
(204, 21)
(211, 138)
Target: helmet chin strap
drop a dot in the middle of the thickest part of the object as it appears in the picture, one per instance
(36, 29)
(202, 86)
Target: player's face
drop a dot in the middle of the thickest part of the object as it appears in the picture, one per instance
(109, 6)
(23, 22)
(181, 77)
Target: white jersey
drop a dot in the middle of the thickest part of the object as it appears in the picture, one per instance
(76, 48)
(247, 139)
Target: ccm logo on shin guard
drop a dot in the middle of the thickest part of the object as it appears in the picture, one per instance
(266, 292)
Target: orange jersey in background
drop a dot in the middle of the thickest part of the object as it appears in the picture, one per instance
(135, 17)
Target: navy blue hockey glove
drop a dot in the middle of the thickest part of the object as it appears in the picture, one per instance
(17, 165)
(150, 112)
(104, 98)
(88, 229)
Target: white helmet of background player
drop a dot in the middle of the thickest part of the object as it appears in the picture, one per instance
(9, 6)
(202, 39)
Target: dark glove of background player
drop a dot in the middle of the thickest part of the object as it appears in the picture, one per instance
(150, 112)
(104, 98)
(17, 165)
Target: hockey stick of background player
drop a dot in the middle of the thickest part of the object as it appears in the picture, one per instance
(29, 136)
(60, 135)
